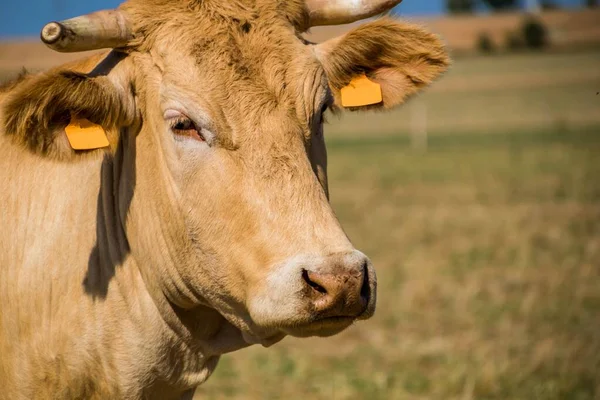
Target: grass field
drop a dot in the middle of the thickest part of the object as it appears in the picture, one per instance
(488, 257)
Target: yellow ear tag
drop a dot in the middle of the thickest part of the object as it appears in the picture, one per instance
(85, 135)
(361, 92)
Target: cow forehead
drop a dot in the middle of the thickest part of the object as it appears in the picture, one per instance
(246, 39)
(154, 19)
(248, 52)
(249, 72)
(262, 62)
(246, 57)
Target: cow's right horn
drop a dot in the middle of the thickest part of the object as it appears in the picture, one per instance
(99, 30)
(337, 12)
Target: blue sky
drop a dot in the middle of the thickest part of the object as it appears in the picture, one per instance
(26, 18)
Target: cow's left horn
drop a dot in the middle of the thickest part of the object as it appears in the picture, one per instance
(99, 30)
(337, 12)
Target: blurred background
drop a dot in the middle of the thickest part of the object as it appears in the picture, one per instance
(478, 201)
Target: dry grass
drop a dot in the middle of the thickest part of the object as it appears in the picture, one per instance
(488, 256)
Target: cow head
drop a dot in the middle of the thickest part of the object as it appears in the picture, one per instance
(214, 110)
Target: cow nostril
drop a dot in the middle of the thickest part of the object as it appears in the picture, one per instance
(312, 283)
(365, 290)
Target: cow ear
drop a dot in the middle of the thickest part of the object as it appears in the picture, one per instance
(39, 108)
(401, 57)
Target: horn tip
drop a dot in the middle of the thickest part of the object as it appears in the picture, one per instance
(51, 33)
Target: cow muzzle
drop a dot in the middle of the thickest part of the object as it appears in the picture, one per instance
(341, 291)
(317, 296)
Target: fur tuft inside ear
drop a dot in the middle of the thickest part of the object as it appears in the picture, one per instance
(402, 58)
(38, 108)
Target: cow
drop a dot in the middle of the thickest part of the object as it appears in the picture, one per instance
(203, 224)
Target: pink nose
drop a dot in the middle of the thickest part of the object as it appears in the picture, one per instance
(341, 287)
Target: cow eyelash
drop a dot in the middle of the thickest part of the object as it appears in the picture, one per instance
(184, 126)
(182, 123)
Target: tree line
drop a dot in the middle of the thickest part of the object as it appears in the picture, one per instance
(469, 6)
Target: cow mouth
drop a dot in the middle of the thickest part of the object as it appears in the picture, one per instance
(318, 326)
(322, 327)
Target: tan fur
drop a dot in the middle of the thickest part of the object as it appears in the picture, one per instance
(126, 272)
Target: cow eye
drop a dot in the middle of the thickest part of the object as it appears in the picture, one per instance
(183, 126)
